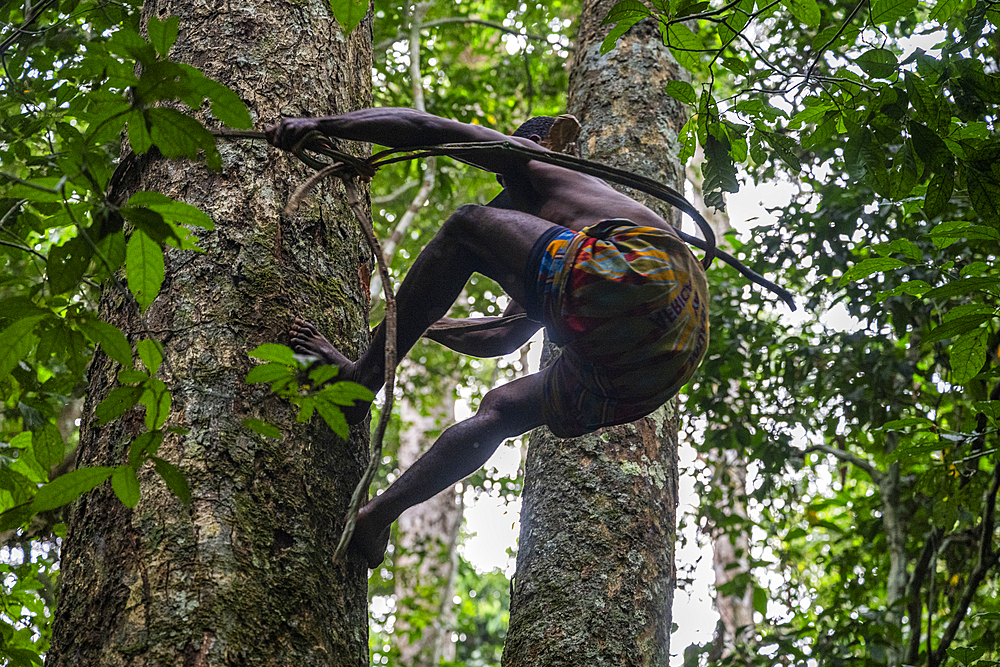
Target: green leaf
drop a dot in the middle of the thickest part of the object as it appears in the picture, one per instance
(984, 192)
(144, 259)
(929, 147)
(174, 478)
(939, 191)
(177, 135)
(156, 398)
(611, 39)
(276, 352)
(67, 263)
(888, 12)
(931, 110)
(349, 13)
(145, 445)
(132, 376)
(944, 9)
(346, 393)
(684, 45)
(957, 326)
(110, 338)
(151, 353)
(968, 355)
(48, 446)
(138, 132)
(323, 374)
(334, 418)
(67, 488)
(118, 402)
(760, 600)
(867, 267)
(125, 484)
(16, 342)
(268, 373)
(806, 11)
(950, 231)
(964, 286)
(151, 223)
(162, 35)
(262, 427)
(719, 170)
(879, 63)
(682, 91)
(172, 211)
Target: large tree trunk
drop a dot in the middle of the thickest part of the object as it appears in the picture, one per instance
(242, 575)
(595, 565)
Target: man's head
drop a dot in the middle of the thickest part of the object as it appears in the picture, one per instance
(536, 128)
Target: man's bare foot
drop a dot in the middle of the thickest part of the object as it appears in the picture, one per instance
(306, 339)
(366, 542)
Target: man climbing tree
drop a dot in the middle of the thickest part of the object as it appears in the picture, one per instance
(611, 281)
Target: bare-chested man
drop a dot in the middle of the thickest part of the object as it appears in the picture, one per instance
(612, 283)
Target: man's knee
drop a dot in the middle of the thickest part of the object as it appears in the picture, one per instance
(462, 221)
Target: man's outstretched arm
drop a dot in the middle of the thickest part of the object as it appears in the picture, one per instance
(400, 127)
(500, 335)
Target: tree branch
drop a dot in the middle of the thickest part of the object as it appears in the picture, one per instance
(386, 43)
(844, 455)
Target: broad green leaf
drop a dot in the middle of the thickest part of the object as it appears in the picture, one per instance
(911, 287)
(145, 445)
(684, 44)
(118, 402)
(967, 655)
(984, 192)
(334, 417)
(125, 484)
(929, 147)
(156, 398)
(871, 265)
(67, 263)
(904, 247)
(110, 338)
(968, 355)
(144, 259)
(132, 376)
(349, 13)
(174, 478)
(956, 327)
(939, 190)
(964, 286)
(178, 135)
(626, 9)
(345, 393)
(16, 342)
(151, 353)
(682, 91)
(172, 211)
(151, 223)
(611, 39)
(277, 352)
(162, 35)
(15, 517)
(879, 63)
(944, 9)
(950, 231)
(806, 11)
(719, 170)
(48, 446)
(67, 488)
(931, 110)
(262, 427)
(888, 12)
(268, 373)
(323, 374)
(138, 132)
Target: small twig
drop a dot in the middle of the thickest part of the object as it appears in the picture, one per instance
(843, 26)
(385, 199)
(386, 43)
(361, 490)
(846, 456)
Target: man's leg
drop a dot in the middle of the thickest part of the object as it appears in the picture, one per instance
(462, 449)
(494, 242)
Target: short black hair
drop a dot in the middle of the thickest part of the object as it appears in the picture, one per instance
(539, 125)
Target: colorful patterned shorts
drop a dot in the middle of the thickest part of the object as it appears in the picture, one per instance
(628, 305)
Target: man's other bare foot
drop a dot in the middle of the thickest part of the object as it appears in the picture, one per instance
(306, 339)
(370, 545)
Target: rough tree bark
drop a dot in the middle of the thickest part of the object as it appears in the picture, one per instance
(427, 536)
(242, 575)
(595, 566)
